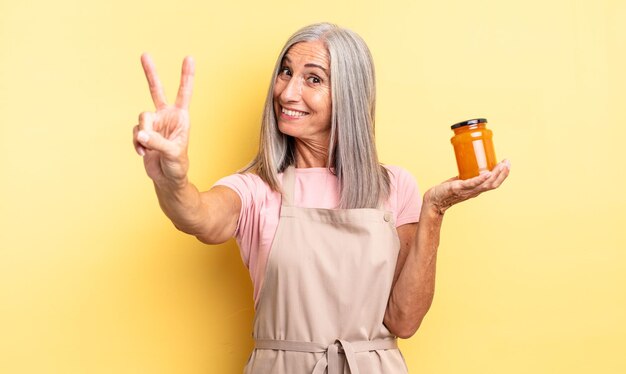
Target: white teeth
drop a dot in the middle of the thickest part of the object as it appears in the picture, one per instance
(293, 113)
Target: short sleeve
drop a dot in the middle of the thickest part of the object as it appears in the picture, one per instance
(408, 202)
(247, 186)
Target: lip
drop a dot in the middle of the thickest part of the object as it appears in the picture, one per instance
(288, 117)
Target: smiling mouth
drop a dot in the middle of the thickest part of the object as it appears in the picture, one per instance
(293, 113)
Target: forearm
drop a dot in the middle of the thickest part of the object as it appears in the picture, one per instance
(182, 204)
(413, 289)
(412, 293)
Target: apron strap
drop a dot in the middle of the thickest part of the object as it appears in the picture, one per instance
(289, 185)
(330, 359)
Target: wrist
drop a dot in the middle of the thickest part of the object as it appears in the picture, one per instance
(431, 205)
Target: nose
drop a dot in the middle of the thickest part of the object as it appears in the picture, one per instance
(292, 91)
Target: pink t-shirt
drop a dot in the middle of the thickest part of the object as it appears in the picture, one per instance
(314, 188)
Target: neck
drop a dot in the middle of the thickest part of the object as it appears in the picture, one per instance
(310, 154)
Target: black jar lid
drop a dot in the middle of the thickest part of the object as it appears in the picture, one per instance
(474, 121)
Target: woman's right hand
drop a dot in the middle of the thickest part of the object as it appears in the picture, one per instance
(162, 136)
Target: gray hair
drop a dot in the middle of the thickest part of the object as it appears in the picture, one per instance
(363, 180)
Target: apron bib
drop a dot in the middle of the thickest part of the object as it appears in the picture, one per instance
(326, 288)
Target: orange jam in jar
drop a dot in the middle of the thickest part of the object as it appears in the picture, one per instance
(473, 147)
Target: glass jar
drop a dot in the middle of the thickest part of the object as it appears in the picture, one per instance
(473, 147)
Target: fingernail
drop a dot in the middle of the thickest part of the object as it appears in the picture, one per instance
(143, 136)
(141, 151)
(508, 164)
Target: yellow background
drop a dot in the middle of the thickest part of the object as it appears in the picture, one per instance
(94, 278)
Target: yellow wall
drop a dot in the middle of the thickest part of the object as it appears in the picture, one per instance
(94, 279)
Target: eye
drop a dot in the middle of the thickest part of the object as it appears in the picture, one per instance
(285, 71)
(315, 80)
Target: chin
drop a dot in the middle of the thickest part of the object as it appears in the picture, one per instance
(286, 130)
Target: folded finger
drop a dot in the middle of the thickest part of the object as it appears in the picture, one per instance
(141, 151)
(154, 141)
(146, 121)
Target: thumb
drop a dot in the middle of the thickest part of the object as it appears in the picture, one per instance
(152, 140)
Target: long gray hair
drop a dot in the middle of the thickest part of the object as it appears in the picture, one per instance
(363, 180)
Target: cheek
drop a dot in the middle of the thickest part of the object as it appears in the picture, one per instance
(279, 86)
(276, 99)
(325, 103)
(276, 92)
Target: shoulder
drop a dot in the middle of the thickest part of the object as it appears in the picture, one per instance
(404, 196)
(243, 180)
(258, 201)
(400, 177)
(249, 186)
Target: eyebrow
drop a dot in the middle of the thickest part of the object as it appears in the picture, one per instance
(309, 65)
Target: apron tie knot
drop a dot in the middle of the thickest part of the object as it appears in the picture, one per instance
(330, 359)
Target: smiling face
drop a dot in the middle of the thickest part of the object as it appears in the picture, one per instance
(302, 95)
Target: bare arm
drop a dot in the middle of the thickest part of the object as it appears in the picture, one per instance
(414, 281)
(210, 216)
(162, 139)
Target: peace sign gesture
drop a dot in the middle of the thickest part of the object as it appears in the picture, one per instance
(162, 136)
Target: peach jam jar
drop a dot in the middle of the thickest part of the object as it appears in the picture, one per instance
(473, 147)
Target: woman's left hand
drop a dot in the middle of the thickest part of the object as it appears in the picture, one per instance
(454, 190)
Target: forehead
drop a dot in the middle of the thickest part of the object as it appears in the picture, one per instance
(309, 52)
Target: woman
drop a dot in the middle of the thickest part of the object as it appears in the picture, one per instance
(339, 262)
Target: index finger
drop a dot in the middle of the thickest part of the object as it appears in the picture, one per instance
(186, 83)
(156, 89)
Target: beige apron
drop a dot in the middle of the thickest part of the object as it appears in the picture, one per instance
(326, 287)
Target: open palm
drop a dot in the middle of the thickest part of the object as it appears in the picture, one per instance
(453, 191)
(162, 136)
